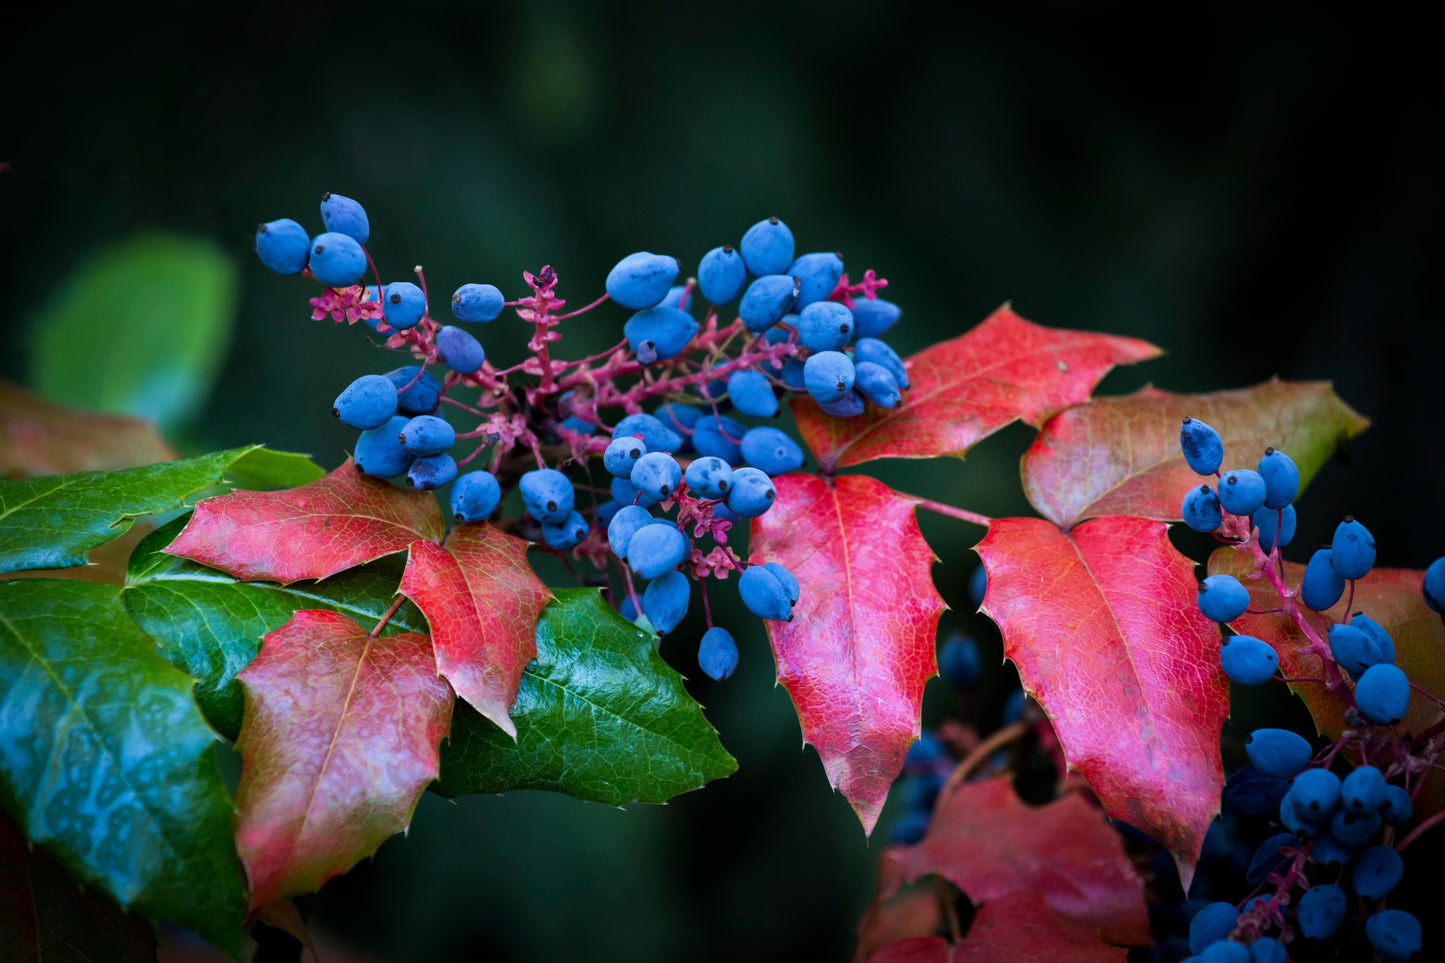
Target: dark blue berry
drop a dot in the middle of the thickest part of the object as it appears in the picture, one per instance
(753, 492)
(678, 296)
(1354, 829)
(771, 450)
(851, 405)
(656, 549)
(460, 351)
(1247, 660)
(709, 477)
(567, 533)
(1268, 858)
(477, 303)
(367, 402)
(345, 216)
(909, 828)
(1316, 792)
(1222, 598)
(766, 301)
(767, 247)
(872, 317)
(817, 275)
(621, 455)
(1278, 752)
(1434, 586)
(1267, 520)
(336, 260)
(547, 493)
(877, 352)
(379, 451)
(764, 595)
(628, 521)
(977, 586)
(1203, 448)
(717, 654)
(959, 663)
(283, 246)
(825, 326)
(785, 579)
(641, 280)
(403, 305)
(1321, 586)
(665, 601)
(1211, 924)
(828, 375)
(659, 334)
(657, 473)
(1398, 806)
(1326, 850)
(722, 275)
(1383, 694)
(1321, 911)
(1252, 792)
(1281, 478)
(656, 435)
(1352, 552)
(752, 394)
(1377, 871)
(427, 435)
(1383, 642)
(1394, 934)
(475, 496)
(1200, 509)
(421, 397)
(431, 472)
(1241, 491)
(1267, 949)
(877, 384)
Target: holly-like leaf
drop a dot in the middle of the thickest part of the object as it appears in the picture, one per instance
(264, 468)
(53, 522)
(1121, 456)
(209, 625)
(481, 599)
(107, 762)
(1018, 928)
(1103, 625)
(38, 437)
(45, 915)
(600, 716)
(989, 844)
(339, 740)
(964, 390)
(860, 646)
(316, 530)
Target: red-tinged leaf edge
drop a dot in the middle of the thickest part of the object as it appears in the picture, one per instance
(1018, 928)
(860, 646)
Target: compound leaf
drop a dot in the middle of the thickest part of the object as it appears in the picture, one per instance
(860, 646)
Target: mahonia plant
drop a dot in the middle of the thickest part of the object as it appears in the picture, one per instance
(281, 616)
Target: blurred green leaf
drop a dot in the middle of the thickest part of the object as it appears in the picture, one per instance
(140, 328)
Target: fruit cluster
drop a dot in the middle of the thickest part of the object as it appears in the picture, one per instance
(1335, 829)
(802, 326)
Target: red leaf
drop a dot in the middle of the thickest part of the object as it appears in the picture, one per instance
(1107, 636)
(859, 648)
(1018, 928)
(966, 389)
(989, 844)
(39, 437)
(481, 600)
(312, 531)
(339, 740)
(1120, 456)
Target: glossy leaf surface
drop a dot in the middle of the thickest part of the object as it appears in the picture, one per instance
(481, 599)
(107, 762)
(1005, 370)
(39, 437)
(1121, 456)
(989, 844)
(316, 530)
(860, 645)
(1019, 928)
(53, 522)
(1104, 627)
(600, 715)
(339, 740)
(264, 468)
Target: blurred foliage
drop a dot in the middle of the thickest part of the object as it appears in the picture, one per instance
(1258, 195)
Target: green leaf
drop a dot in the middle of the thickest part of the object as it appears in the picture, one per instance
(209, 625)
(264, 468)
(599, 716)
(140, 328)
(53, 522)
(107, 762)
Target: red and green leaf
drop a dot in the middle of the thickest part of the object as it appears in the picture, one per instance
(1018, 928)
(482, 600)
(964, 390)
(1120, 456)
(339, 740)
(312, 531)
(860, 645)
(1103, 625)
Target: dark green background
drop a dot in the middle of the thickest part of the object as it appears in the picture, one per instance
(1259, 192)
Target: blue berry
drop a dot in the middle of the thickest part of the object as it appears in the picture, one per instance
(1394, 934)
(960, 663)
(628, 521)
(655, 549)
(709, 477)
(1293, 817)
(877, 384)
(1354, 649)
(1316, 792)
(657, 473)
(336, 260)
(752, 394)
(677, 419)
(752, 493)
(477, 303)
(367, 402)
(1013, 706)
(431, 472)
(785, 579)
(1252, 792)
(715, 389)
(1211, 924)
(771, 450)
(766, 301)
(792, 374)
(1377, 871)
(825, 326)
(665, 601)
(849, 406)
(1322, 910)
(379, 451)
(1377, 633)
(877, 352)
(719, 437)
(678, 296)
(1278, 752)
(828, 375)
(345, 216)
(283, 246)
(920, 792)
(764, 595)
(978, 586)
(909, 828)
(547, 493)
(722, 275)
(1321, 586)
(1267, 520)
(1225, 951)
(1222, 598)
(1203, 448)
(1267, 949)
(923, 753)
(621, 455)
(1281, 478)
(767, 247)
(871, 317)
(1352, 552)
(1355, 829)
(1247, 660)
(1326, 850)
(427, 435)
(717, 654)
(459, 351)
(1434, 586)
(817, 274)
(475, 496)
(1398, 806)
(567, 533)
(659, 334)
(656, 435)
(421, 397)
(628, 609)
(403, 305)
(1241, 491)
(1383, 694)
(1200, 509)
(1268, 858)
(641, 280)
(623, 492)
